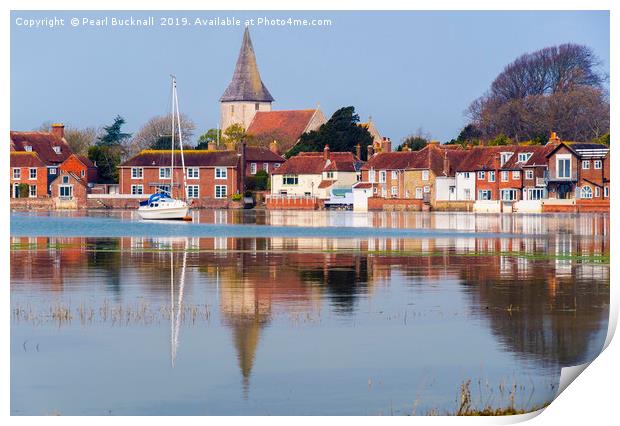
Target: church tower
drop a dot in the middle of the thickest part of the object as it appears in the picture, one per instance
(246, 94)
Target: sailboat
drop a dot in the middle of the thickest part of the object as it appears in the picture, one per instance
(162, 205)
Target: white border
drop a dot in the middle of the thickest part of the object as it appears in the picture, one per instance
(591, 399)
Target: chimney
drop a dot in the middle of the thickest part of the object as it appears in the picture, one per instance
(326, 152)
(405, 148)
(554, 138)
(387, 145)
(370, 151)
(446, 163)
(433, 143)
(58, 130)
(273, 147)
(212, 146)
(358, 151)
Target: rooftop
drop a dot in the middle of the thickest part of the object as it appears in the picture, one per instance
(286, 127)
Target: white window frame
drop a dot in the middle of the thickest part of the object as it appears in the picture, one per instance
(485, 191)
(419, 193)
(505, 175)
(137, 172)
(394, 175)
(253, 168)
(505, 157)
(606, 191)
(491, 176)
(425, 175)
(193, 191)
(17, 173)
(481, 175)
(597, 192)
(276, 165)
(163, 171)
(218, 191)
(394, 191)
(466, 175)
(69, 188)
(598, 164)
(266, 167)
(587, 195)
(286, 180)
(30, 174)
(193, 172)
(382, 176)
(28, 148)
(516, 174)
(585, 164)
(52, 170)
(221, 173)
(427, 189)
(137, 189)
(511, 191)
(329, 175)
(563, 157)
(524, 157)
(540, 193)
(371, 176)
(32, 191)
(529, 174)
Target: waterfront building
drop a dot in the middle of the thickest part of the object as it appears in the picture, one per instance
(82, 167)
(28, 175)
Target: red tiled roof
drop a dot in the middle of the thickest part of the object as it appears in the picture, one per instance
(513, 163)
(86, 161)
(313, 163)
(25, 159)
(43, 144)
(363, 185)
(484, 157)
(284, 126)
(257, 153)
(326, 183)
(431, 157)
(193, 158)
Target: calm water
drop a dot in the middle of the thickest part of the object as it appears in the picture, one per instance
(300, 313)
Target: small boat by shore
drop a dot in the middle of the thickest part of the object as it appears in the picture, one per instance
(162, 205)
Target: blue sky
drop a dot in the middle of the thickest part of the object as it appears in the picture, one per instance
(405, 69)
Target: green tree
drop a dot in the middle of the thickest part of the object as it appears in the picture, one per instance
(258, 182)
(107, 159)
(469, 134)
(234, 134)
(212, 135)
(414, 142)
(500, 140)
(112, 135)
(341, 133)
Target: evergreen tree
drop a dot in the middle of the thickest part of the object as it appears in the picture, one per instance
(341, 133)
(112, 135)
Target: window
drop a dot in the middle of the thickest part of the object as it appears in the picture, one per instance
(307, 194)
(424, 174)
(524, 156)
(253, 168)
(65, 191)
(276, 165)
(418, 193)
(65, 179)
(563, 167)
(266, 167)
(491, 176)
(330, 175)
(586, 192)
(394, 175)
(597, 191)
(136, 172)
(163, 188)
(52, 170)
(427, 189)
(508, 194)
(536, 193)
(137, 189)
(193, 190)
(32, 173)
(57, 149)
(82, 173)
(28, 148)
(371, 176)
(383, 192)
(598, 164)
(375, 190)
(382, 175)
(32, 191)
(220, 191)
(484, 194)
(17, 173)
(290, 180)
(529, 174)
(193, 173)
(480, 175)
(504, 157)
(164, 173)
(606, 192)
(221, 173)
(466, 175)
(585, 164)
(256, 106)
(516, 174)
(504, 176)
(394, 191)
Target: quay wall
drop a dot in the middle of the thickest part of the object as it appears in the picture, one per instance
(394, 204)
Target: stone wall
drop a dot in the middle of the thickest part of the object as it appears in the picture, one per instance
(394, 204)
(44, 203)
(454, 206)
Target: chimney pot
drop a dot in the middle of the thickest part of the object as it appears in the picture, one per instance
(58, 129)
(273, 147)
(326, 152)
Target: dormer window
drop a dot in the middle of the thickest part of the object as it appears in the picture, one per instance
(504, 157)
(57, 149)
(524, 156)
(28, 148)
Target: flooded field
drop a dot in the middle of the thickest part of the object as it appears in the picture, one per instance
(293, 313)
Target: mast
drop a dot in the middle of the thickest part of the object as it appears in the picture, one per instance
(176, 102)
(172, 142)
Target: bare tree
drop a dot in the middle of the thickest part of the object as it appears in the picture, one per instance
(157, 128)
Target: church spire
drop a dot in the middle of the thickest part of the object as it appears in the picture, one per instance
(246, 84)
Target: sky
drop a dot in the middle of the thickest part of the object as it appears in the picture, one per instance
(408, 70)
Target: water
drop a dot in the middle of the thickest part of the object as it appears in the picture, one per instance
(301, 312)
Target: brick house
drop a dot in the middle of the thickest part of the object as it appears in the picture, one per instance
(211, 175)
(51, 147)
(81, 166)
(69, 190)
(260, 158)
(578, 170)
(478, 176)
(27, 168)
(315, 174)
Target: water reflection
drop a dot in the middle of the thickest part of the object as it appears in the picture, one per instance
(543, 298)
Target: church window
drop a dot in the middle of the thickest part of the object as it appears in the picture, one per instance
(256, 106)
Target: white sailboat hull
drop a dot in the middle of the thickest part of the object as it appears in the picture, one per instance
(175, 210)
